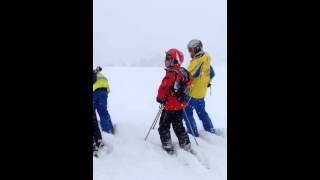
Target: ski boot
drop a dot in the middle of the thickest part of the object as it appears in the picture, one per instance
(95, 151)
(100, 144)
(186, 147)
(169, 149)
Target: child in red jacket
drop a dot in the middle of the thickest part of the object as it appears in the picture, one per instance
(173, 102)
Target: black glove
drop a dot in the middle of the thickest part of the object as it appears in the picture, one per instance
(161, 101)
(209, 85)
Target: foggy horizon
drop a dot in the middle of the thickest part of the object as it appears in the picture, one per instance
(127, 32)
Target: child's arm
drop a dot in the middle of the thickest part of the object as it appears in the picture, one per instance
(164, 89)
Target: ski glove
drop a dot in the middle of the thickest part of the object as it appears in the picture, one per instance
(161, 101)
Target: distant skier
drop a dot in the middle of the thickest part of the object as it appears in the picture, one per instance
(97, 137)
(202, 73)
(101, 90)
(173, 101)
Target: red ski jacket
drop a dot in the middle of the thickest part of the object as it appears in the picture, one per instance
(166, 93)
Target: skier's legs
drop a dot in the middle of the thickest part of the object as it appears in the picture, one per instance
(96, 131)
(105, 120)
(189, 119)
(203, 115)
(164, 130)
(94, 146)
(179, 129)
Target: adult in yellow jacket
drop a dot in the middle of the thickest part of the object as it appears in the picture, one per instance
(101, 90)
(202, 74)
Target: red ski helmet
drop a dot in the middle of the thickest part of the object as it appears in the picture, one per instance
(175, 54)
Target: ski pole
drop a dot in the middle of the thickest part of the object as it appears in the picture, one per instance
(157, 117)
(185, 114)
(155, 121)
(190, 127)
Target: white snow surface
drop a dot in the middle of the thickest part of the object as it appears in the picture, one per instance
(133, 107)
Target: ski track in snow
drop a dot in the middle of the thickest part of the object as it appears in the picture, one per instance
(132, 107)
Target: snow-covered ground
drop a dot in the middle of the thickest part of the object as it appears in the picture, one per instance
(133, 107)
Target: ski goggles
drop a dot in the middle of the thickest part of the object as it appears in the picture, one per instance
(169, 58)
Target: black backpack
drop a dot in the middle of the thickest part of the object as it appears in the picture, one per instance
(181, 87)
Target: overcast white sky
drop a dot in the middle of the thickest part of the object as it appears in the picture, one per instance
(129, 30)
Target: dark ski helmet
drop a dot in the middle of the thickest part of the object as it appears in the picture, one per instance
(195, 46)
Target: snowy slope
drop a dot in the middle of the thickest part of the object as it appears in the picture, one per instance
(132, 107)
